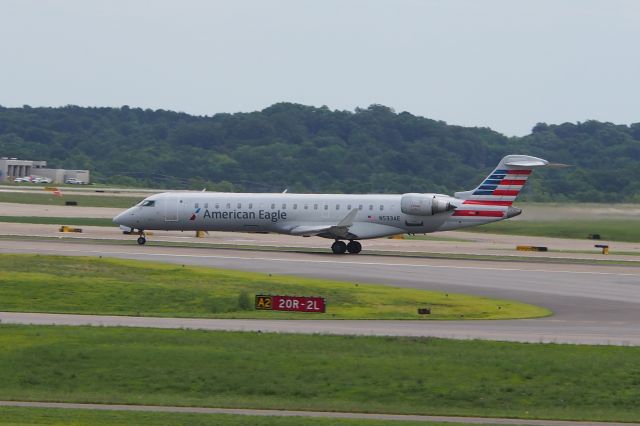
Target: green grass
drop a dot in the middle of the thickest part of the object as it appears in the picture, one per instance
(73, 417)
(324, 373)
(47, 198)
(74, 221)
(35, 283)
(609, 230)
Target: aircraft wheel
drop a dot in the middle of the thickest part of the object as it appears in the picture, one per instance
(354, 247)
(339, 247)
(142, 240)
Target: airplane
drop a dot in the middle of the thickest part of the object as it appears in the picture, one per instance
(340, 217)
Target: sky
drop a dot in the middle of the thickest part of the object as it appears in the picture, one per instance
(503, 64)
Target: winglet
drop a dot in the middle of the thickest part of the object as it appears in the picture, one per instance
(348, 219)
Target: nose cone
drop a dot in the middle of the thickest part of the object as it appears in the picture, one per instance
(126, 218)
(117, 219)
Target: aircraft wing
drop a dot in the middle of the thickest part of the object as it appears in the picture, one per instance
(340, 230)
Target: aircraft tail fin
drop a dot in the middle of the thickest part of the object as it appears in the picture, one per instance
(504, 184)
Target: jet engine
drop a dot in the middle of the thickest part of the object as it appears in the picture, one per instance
(425, 204)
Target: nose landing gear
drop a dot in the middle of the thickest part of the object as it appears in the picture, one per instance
(142, 237)
(340, 247)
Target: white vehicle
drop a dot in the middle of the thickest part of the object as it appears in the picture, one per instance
(22, 179)
(336, 216)
(74, 181)
(39, 179)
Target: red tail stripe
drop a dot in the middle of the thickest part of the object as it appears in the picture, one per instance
(518, 172)
(485, 213)
(488, 202)
(512, 182)
(505, 192)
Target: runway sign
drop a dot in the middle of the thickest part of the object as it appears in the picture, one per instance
(290, 303)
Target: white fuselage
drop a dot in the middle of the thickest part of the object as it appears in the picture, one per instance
(377, 215)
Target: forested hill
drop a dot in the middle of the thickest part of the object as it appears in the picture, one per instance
(308, 149)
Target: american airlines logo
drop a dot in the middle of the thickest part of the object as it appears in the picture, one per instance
(193, 216)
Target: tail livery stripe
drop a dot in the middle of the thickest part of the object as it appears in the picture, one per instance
(512, 182)
(505, 192)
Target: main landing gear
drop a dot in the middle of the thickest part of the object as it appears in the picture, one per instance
(142, 238)
(340, 247)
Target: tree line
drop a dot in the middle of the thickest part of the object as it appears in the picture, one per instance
(316, 149)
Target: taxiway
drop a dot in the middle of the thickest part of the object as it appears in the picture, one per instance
(591, 304)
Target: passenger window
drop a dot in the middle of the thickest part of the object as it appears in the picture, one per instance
(295, 207)
(239, 205)
(273, 206)
(337, 206)
(197, 205)
(306, 206)
(381, 207)
(250, 206)
(217, 206)
(229, 206)
(370, 206)
(148, 203)
(315, 207)
(284, 206)
(206, 206)
(360, 207)
(348, 206)
(326, 206)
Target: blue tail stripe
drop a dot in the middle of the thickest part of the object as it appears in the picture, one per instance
(495, 176)
(491, 187)
(480, 192)
(491, 182)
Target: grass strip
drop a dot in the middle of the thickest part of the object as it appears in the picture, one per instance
(319, 373)
(10, 416)
(609, 230)
(72, 221)
(47, 198)
(89, 285)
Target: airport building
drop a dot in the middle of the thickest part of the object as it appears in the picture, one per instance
(12, 168)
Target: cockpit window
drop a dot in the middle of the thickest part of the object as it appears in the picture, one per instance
(148, 203)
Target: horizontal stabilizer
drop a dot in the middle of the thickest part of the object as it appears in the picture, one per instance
(558, 165)
(529, 162)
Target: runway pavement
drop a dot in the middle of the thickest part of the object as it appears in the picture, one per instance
(592, 304)
(449, 242)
